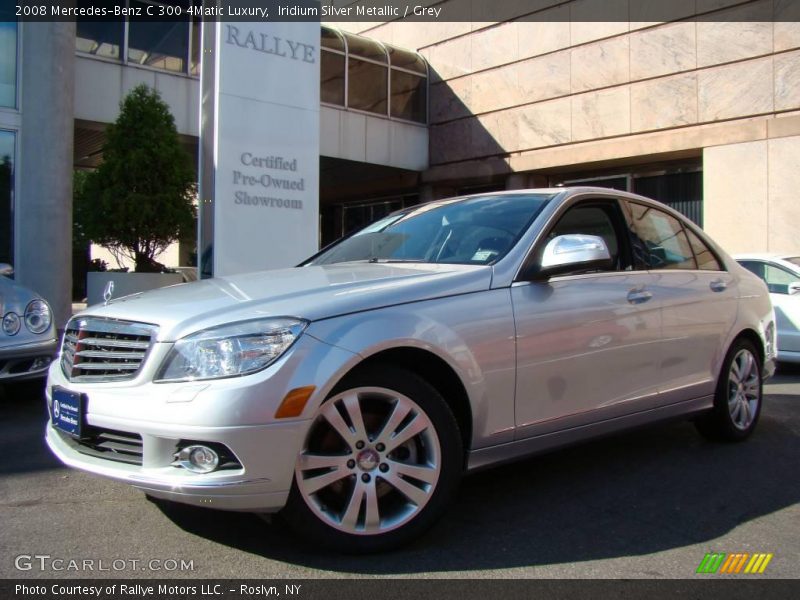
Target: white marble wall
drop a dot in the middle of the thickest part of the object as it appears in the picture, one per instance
(753, 209)
(732, 60)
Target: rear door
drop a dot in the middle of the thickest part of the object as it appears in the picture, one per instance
(697, 299)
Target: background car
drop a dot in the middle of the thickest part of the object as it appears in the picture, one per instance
(27, 335)
(354, 391)
(781, 273)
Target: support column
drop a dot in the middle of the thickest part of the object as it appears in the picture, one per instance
(43, 214)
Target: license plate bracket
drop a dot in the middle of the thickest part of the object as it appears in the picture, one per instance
(67, 412)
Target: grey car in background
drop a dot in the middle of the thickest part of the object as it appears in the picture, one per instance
(353, 392)
(27, 335)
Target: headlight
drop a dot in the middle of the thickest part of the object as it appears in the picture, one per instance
(230, 350)
(11, 323)
(38, 316)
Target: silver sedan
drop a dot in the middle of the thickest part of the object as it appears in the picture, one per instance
(27, 336)
(353, 392)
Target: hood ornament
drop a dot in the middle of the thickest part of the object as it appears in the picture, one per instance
(108, 292)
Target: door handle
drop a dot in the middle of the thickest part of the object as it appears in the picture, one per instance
(638, 296)
(718, 285)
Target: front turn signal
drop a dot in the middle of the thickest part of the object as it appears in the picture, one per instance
(294, 402)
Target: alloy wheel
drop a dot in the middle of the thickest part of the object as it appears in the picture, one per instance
(744, 389)
(371, 461)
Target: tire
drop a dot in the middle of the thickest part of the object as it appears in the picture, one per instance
(738, 397)
(380, 463)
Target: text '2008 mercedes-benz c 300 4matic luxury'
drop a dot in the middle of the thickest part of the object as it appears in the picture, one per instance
(352, 393)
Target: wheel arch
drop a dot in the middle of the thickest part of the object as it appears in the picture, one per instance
(752, 336)
(437, 372)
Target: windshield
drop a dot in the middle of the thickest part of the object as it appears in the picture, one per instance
(472, 231)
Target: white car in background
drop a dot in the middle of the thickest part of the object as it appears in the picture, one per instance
(781, 273)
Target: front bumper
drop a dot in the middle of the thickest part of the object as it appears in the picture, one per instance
(237, 413)
(231, 490)
(27, 360)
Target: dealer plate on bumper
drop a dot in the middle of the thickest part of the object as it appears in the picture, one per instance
(67, 411)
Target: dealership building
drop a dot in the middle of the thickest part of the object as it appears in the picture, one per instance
(699, 109)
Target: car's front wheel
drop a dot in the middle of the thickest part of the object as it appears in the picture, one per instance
(380, 462)
(737, 403)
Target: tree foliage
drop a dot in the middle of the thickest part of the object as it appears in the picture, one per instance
(139, 201)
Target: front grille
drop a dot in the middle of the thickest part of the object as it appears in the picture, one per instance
(96, 349)
(109, 444)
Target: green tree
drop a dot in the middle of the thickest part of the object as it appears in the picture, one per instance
(139, 201)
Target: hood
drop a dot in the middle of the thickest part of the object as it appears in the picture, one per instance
(13, 296)
(310, 293)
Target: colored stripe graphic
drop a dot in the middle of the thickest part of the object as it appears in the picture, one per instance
(711, 562)
(722, 563)
(734, 563)
(758, 563)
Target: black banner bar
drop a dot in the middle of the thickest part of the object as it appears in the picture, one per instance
(399, 10)
(734, 588)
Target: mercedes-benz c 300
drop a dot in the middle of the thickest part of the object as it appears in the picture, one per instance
(354, 391)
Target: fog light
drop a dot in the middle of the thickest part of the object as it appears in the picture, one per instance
(40, 362)
(197, 459)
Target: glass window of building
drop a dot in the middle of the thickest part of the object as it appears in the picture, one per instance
(332, 40)
(99, 38)
(405, 59)
(197, 48)
(409, 86)
(409, 96)
(7, 141)
(8, 62)
(366, 48)
(159, 44)
(332, 78)
(363, 74)
(332, 67)
(367, 86)
(367, 75)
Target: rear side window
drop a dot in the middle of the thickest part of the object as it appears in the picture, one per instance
(661, 239)
(706, 261)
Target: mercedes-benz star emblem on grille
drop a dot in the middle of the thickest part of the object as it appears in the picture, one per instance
(108, 292)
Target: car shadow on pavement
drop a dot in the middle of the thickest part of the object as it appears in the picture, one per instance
(633, 494)
(22, 421)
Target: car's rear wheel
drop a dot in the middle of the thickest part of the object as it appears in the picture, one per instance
(738, 398)
(380, 462)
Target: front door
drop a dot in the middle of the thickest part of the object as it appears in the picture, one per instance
(587, 343)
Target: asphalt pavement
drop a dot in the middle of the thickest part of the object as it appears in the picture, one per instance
(645, 504)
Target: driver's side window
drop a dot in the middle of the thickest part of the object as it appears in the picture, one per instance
(602, 219)
(778, 279)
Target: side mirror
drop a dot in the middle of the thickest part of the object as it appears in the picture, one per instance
(574, 252)
(6, 269)
(794, 288)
